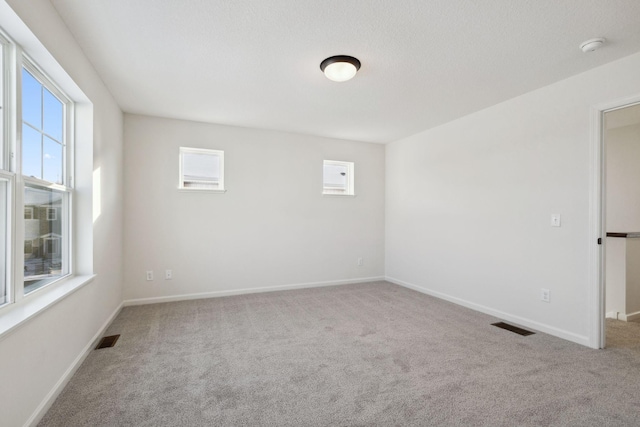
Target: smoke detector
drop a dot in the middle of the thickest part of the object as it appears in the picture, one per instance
(592, 44)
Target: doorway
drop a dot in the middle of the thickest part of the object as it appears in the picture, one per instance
(621, 140)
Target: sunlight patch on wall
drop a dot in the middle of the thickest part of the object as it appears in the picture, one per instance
(97, 205)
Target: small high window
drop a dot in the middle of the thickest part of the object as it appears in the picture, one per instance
(201, 169)
(338, 178)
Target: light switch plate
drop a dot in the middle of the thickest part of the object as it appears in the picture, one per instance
(555, 220)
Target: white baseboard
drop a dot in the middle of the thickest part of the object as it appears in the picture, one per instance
(570, 336)
(46, 403)
(631, 317)
(216, 294)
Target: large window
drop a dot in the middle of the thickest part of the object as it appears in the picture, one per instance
(36, 191)
(46, 193)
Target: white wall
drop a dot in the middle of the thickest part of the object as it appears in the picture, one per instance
(623, 178)
(34, 357)
(469, 203)
(271, 228)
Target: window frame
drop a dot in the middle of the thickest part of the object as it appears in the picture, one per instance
(7, 253)
(18, 309)
(14, 60)
(23, 61)
(67, 136)
(207, 151)
(7, 173)
(350, 178)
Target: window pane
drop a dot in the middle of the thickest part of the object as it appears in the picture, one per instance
(335, 176)
(2, 107)
(53, 116)
(3, 240)
(200, 167)
(201, 171)
(31, 152)
(45, 237)
(52, 161)
(31, 100)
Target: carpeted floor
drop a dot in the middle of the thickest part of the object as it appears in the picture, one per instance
(622, 334)
(371, 354)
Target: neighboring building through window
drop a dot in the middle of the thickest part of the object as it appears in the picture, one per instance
(201, 169)
(51, 214)
(337, 178)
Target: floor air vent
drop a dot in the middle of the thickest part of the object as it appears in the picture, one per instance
(512, 328)
(106, 342)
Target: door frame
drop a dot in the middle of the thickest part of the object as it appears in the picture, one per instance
(597, 218)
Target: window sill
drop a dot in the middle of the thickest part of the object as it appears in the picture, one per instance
(200, 190)
(15, 315)
(338, 195)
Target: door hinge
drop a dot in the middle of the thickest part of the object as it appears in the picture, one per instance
(599, 240)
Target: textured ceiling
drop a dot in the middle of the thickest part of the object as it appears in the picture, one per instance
(255, 63)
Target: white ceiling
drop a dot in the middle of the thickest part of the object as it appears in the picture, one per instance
(255, 63)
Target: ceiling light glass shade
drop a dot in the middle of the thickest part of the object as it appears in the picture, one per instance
(340, 68)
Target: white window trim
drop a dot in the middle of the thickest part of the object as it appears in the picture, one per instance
(66, 246)
(189, 150)
(14, 60)
(19, 310)
(350, 190)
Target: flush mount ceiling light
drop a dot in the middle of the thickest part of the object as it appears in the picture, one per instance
(592, 44)
(340, 68)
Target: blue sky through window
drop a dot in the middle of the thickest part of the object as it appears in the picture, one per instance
(31, 100)
(42, 131)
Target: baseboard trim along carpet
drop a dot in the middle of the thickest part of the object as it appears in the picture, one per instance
(560, 333)
(46, 403)
(216, 294)
(631, 317)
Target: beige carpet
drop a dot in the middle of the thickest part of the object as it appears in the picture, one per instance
(621, 334)
(358, 355)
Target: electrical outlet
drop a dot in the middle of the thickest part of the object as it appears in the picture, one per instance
(168, 275)
(545, 295)
(149, 274)
(360, 262)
